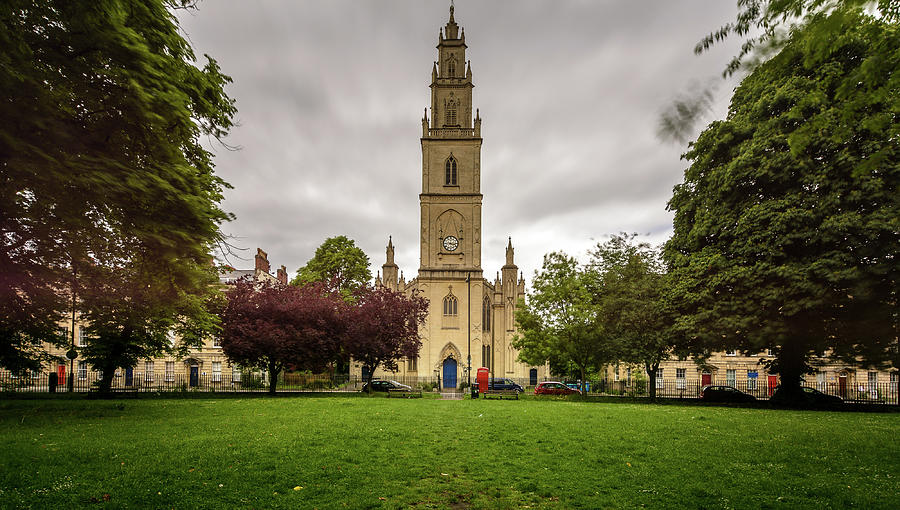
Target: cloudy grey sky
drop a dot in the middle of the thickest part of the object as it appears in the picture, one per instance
(330, 94)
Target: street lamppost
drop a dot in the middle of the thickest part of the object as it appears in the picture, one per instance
(469, 331)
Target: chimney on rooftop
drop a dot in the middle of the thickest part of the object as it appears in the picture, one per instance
(262, 261)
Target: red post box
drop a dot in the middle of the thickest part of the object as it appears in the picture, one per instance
(482, 379)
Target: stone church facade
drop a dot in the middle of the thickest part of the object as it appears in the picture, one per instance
(468, 314)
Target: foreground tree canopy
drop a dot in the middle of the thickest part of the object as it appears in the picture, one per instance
(631, 289)
(788, 221)
(339, 263)
(383, 328)
(102, 175)
(561, 322)
(580, 317)
(276, 327)
(764, 27)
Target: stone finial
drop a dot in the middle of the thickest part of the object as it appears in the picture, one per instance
(390, 251)
(510, 252)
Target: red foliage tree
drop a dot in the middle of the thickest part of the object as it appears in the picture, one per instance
(272, 326)
(383, 327)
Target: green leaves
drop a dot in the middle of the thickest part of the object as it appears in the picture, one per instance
(103, 108)
(792, 203)
(339, 263)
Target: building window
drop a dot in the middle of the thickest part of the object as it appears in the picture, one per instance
(82, 337)
(450, 305)
(659, 378)
(216, 371)
(616, 374)
(148, 371)
(217, 341)
(170, 371)
(412, 364)
(894, 377)
(730, 378)
(873, 383)
(820, 380)
(680, 378)
(486, 356)
(752, 376)
(451, 66)
(486, 315)
(450, 172)
(451, 113)
(731, 353)
(63, 333)
(235, 373)
(82, 370)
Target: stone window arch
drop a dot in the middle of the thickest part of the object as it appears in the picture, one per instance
(451, 305)
(450, 173)
(450, 114)
(451, 65)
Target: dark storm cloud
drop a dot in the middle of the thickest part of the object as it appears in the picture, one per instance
(331, 93)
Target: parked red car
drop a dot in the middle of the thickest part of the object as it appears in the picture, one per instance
(554, 388)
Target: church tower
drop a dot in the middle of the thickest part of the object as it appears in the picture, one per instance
(470, 320)
(451, 163)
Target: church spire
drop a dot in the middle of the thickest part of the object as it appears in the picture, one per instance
(451, 30)
(510, 253)
(390, 269)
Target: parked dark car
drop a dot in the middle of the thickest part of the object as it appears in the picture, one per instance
(383, 385)
(724, 394)
(810, 396)
(554, 388)
(499, 383)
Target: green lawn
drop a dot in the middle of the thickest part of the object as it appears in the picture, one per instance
(308, 452)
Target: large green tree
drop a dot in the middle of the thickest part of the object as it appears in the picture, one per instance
(101, 164)
(631, 290)
(788, 221)
(339, 263)
(763, 28)
(560, 322)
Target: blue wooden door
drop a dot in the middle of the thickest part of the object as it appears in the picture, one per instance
(449, 373)
(129, 376)
(195, 376)
(532, 377)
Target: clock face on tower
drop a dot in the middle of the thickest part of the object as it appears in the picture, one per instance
(450, 243)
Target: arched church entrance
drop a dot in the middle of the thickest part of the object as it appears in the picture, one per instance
(449, 373)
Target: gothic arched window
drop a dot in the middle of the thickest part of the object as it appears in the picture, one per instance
(451, 66)
(450, 172)
(486, 315)
(450, 305)
(450, 117)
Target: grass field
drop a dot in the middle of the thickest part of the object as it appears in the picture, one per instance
(351, 452)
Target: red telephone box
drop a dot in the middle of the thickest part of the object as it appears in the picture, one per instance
(771, 384)
(482, 379)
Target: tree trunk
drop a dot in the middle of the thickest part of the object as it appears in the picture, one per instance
(274, 370)
(581, 383)
(791, 364)
(106, 380)
(368, 381)
(651, 372)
